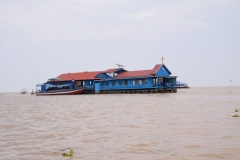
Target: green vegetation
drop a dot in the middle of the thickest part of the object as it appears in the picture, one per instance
(68, 155)
(236, 115)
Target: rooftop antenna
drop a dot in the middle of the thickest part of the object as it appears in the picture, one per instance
(120, 65)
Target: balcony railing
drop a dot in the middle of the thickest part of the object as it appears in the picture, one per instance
(144, 86)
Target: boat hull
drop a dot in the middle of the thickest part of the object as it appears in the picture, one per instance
(66, 92)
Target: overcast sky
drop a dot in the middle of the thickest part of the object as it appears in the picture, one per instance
(200, 39)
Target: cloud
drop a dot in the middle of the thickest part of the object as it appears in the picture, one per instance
(7, 45)
(79, 19)
(222, 2)
(96, 2)
(138, 15)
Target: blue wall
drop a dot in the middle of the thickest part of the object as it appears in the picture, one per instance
(96, 87)
(163, 71)
(145, 83)
(43, 88)
(140, 83)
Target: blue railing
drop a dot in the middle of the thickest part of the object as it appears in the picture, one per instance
(170, 85)
(89, 87)
(144, 86)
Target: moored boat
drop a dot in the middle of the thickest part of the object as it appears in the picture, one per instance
(57, 86)
(23, 91)
(182, 85)
(60, 92)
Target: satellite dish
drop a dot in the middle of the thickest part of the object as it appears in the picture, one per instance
(120, 65)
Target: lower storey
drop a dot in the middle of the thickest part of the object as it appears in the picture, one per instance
(122, 91)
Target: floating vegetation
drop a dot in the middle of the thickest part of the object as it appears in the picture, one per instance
(65, 149)
(70, 154)
(236, 115)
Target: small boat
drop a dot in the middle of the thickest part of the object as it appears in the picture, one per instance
(56, 86)
(182, 85)
(23, 91)
(60, 92)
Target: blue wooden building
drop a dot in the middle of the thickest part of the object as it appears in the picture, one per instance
(117, 80)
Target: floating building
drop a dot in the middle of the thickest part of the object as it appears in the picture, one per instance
(115, 80)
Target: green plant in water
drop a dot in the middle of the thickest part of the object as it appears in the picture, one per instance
(68, 155)
(236, 110)
(236, 115)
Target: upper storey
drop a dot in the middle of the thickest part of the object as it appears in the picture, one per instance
(116, 73)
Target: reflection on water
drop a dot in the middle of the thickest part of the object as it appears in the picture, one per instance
(194, 123)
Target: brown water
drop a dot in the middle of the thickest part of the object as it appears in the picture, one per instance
(194, 123)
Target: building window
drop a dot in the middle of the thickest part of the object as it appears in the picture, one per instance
(133, 82)
(90, 82)
(120, 82)
(113, 83)
(143, 81)
(83, 83)
(126, 82)
(154, 80)
(100, 83)
(107, 83)
(159, 80)
(137, 82)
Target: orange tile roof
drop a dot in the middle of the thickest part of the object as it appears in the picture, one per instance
(139, 73)
(155, 69)
(92, 75)
(80, 76)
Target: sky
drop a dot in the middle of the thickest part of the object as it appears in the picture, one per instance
(200, 39)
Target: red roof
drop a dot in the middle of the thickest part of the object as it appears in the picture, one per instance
(139, 73)
(125, 74)
(155, 69)
(79, 76)
(111, 70)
